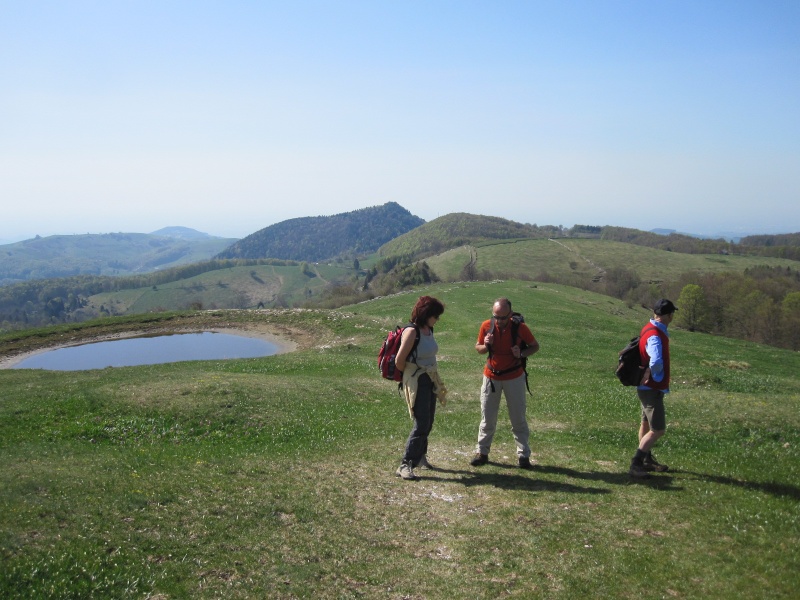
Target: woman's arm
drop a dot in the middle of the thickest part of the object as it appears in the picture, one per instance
(406, 344)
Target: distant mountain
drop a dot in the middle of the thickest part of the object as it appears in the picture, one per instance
(104, 254)
(359, 232)
(182, 233)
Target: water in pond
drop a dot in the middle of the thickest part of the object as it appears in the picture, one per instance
(149, 351)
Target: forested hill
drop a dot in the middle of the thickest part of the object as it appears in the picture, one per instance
(359, 232)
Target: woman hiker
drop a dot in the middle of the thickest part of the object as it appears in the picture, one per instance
(421, 382)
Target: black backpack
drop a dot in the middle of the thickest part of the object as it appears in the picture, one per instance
(630, 370)
(516, 320)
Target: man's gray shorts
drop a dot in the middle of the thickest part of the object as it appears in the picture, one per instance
(653, 409)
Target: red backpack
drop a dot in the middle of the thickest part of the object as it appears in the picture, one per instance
(388, 352)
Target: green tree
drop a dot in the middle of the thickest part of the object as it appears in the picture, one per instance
(791, 319)
(306, 269)
(693, 308)
(619, 281)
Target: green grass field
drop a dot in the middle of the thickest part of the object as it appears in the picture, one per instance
(236, 287)
(582, 259)
(274, 477)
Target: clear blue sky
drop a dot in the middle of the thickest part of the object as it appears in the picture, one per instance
(230, 116)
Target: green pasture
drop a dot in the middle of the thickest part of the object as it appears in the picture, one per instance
(236, 287)
(274, 477)
(449, 265)
(582, 259)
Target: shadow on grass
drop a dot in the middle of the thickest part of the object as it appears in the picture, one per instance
(660, 482)
(783, 490)
(524, 480)
(530, 480)
(614, 478)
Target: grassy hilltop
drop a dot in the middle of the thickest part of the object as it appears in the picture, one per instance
(274, 477)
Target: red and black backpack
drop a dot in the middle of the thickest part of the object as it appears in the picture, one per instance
(388, 353)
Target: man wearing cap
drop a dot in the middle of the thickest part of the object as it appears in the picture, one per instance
(653, 352)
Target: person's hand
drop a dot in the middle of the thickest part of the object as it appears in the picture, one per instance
(488, 339)
(515, 351)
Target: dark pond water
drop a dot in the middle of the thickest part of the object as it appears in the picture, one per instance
(149, 351)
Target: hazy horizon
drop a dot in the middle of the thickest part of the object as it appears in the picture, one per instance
(710, 234)
(228, 118)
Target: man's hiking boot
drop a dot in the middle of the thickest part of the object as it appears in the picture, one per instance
(424, 464)
(651, 464)
(406, 472)
(479, 459)
(525, 463)
(637, 471)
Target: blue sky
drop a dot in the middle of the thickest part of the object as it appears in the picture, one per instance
(230, 116)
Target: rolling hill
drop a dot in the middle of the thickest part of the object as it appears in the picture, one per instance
(105, 254)
(456, 229)
(455, 247)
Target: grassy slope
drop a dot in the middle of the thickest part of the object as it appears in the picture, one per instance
(586, 258)
(238, 287)
(274, 477)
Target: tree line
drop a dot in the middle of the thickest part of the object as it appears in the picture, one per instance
(778, 246)
(760, 304)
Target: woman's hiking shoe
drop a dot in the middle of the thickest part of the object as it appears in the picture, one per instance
(424, 464)
(406, 472)
(525, 463)
(651, 464)
(637, 471)
(479, 459)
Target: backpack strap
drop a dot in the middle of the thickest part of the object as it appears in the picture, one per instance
(515, 323)
(515, 330)
(413, 353)
(491, 330)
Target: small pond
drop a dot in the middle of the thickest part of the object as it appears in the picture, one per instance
(149, 350)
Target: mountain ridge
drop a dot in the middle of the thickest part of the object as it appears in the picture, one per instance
(353, 233)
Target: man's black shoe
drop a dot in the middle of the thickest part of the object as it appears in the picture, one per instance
(525, 463)
(479, 459)
(637, 471)
(651, 464)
